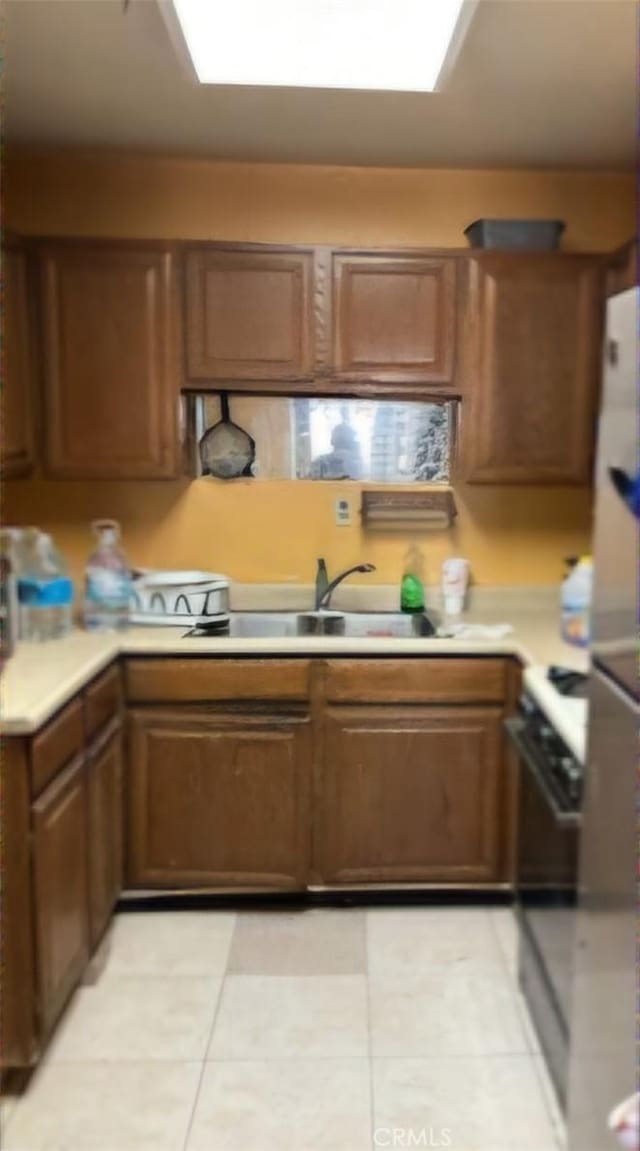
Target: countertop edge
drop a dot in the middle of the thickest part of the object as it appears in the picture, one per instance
(105, 649)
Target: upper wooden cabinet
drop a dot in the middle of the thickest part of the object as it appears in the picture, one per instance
(248, 314)
(110, 363)
(393, 318)
(622, 269)
(535, 325)
(17, 373)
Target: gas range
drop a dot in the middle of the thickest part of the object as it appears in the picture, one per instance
(566, 713)
(553, 716)
(550, 803)
(560, 770)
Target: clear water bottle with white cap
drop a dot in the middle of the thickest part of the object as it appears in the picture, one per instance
(107, 581)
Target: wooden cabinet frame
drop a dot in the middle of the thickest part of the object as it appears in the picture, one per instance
(501, 406)
(356, 817)
(18, 363)
(326, 346)
(426, 275)
(147, 271)
(264, 752)
(277, 345)
(61, 824)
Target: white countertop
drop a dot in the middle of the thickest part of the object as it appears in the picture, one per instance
(40, 678)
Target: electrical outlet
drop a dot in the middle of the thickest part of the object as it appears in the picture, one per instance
(343, 513)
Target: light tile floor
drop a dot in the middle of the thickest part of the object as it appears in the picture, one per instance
(322, 1030)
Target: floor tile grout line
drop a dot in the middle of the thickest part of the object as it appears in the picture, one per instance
(512, 975)
(372, 1105)
(208, 1043)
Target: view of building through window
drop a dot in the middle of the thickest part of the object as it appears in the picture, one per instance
(371, 440)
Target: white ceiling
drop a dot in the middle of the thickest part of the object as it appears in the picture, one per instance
(547, 83)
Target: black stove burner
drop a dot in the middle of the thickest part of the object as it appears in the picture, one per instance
(569, 682)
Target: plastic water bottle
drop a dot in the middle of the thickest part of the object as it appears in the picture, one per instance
(107, 580)
(576, 603)
(45, 592)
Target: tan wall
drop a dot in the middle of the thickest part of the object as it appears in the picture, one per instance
(274, 531)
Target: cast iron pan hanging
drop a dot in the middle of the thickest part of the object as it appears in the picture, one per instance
(226, 450)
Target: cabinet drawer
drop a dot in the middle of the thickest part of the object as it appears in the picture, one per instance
(201, 680)
(59, 741)
(433, 680)
(102, 701)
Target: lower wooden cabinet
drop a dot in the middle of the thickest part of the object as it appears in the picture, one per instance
(60, 880)
(105, 816)
(218, 800)
(410, 794)
(18, 1041)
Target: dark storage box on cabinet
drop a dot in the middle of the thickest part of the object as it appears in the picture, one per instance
(531, 235)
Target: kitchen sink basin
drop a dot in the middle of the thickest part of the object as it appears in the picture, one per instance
(279, 625)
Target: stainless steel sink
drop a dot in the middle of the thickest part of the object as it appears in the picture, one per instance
(277, 624)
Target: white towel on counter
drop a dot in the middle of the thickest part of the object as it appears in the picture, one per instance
(475, 630)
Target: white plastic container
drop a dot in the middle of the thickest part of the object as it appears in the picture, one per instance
(182, 598)
(576, 603)
(455, 577)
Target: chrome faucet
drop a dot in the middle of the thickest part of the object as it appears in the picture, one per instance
(324, 590)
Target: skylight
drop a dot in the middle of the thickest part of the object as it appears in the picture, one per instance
(388, 45)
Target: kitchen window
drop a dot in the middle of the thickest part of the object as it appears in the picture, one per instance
(379, 441)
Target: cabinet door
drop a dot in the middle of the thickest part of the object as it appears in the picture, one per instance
(218, 800)
(60, 889)
(532, 392)
(410, 795)
(18, 1040)
(394, 318)
(110, 367)
(17, 380)
(105, 815)
(248, 314)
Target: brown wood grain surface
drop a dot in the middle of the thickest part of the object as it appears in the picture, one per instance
(102, 700)
(18, 383)
(394, 318)
(248, 313)
(110, 361)
(105, 815)
(423, 680)
(60, 890)
(532, 391)
(197, 680)
(56, 743)
(218, 799)
(411, 794)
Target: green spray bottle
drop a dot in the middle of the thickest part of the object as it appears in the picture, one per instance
(412, 586)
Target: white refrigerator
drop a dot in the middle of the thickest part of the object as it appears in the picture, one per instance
(604, 1022)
